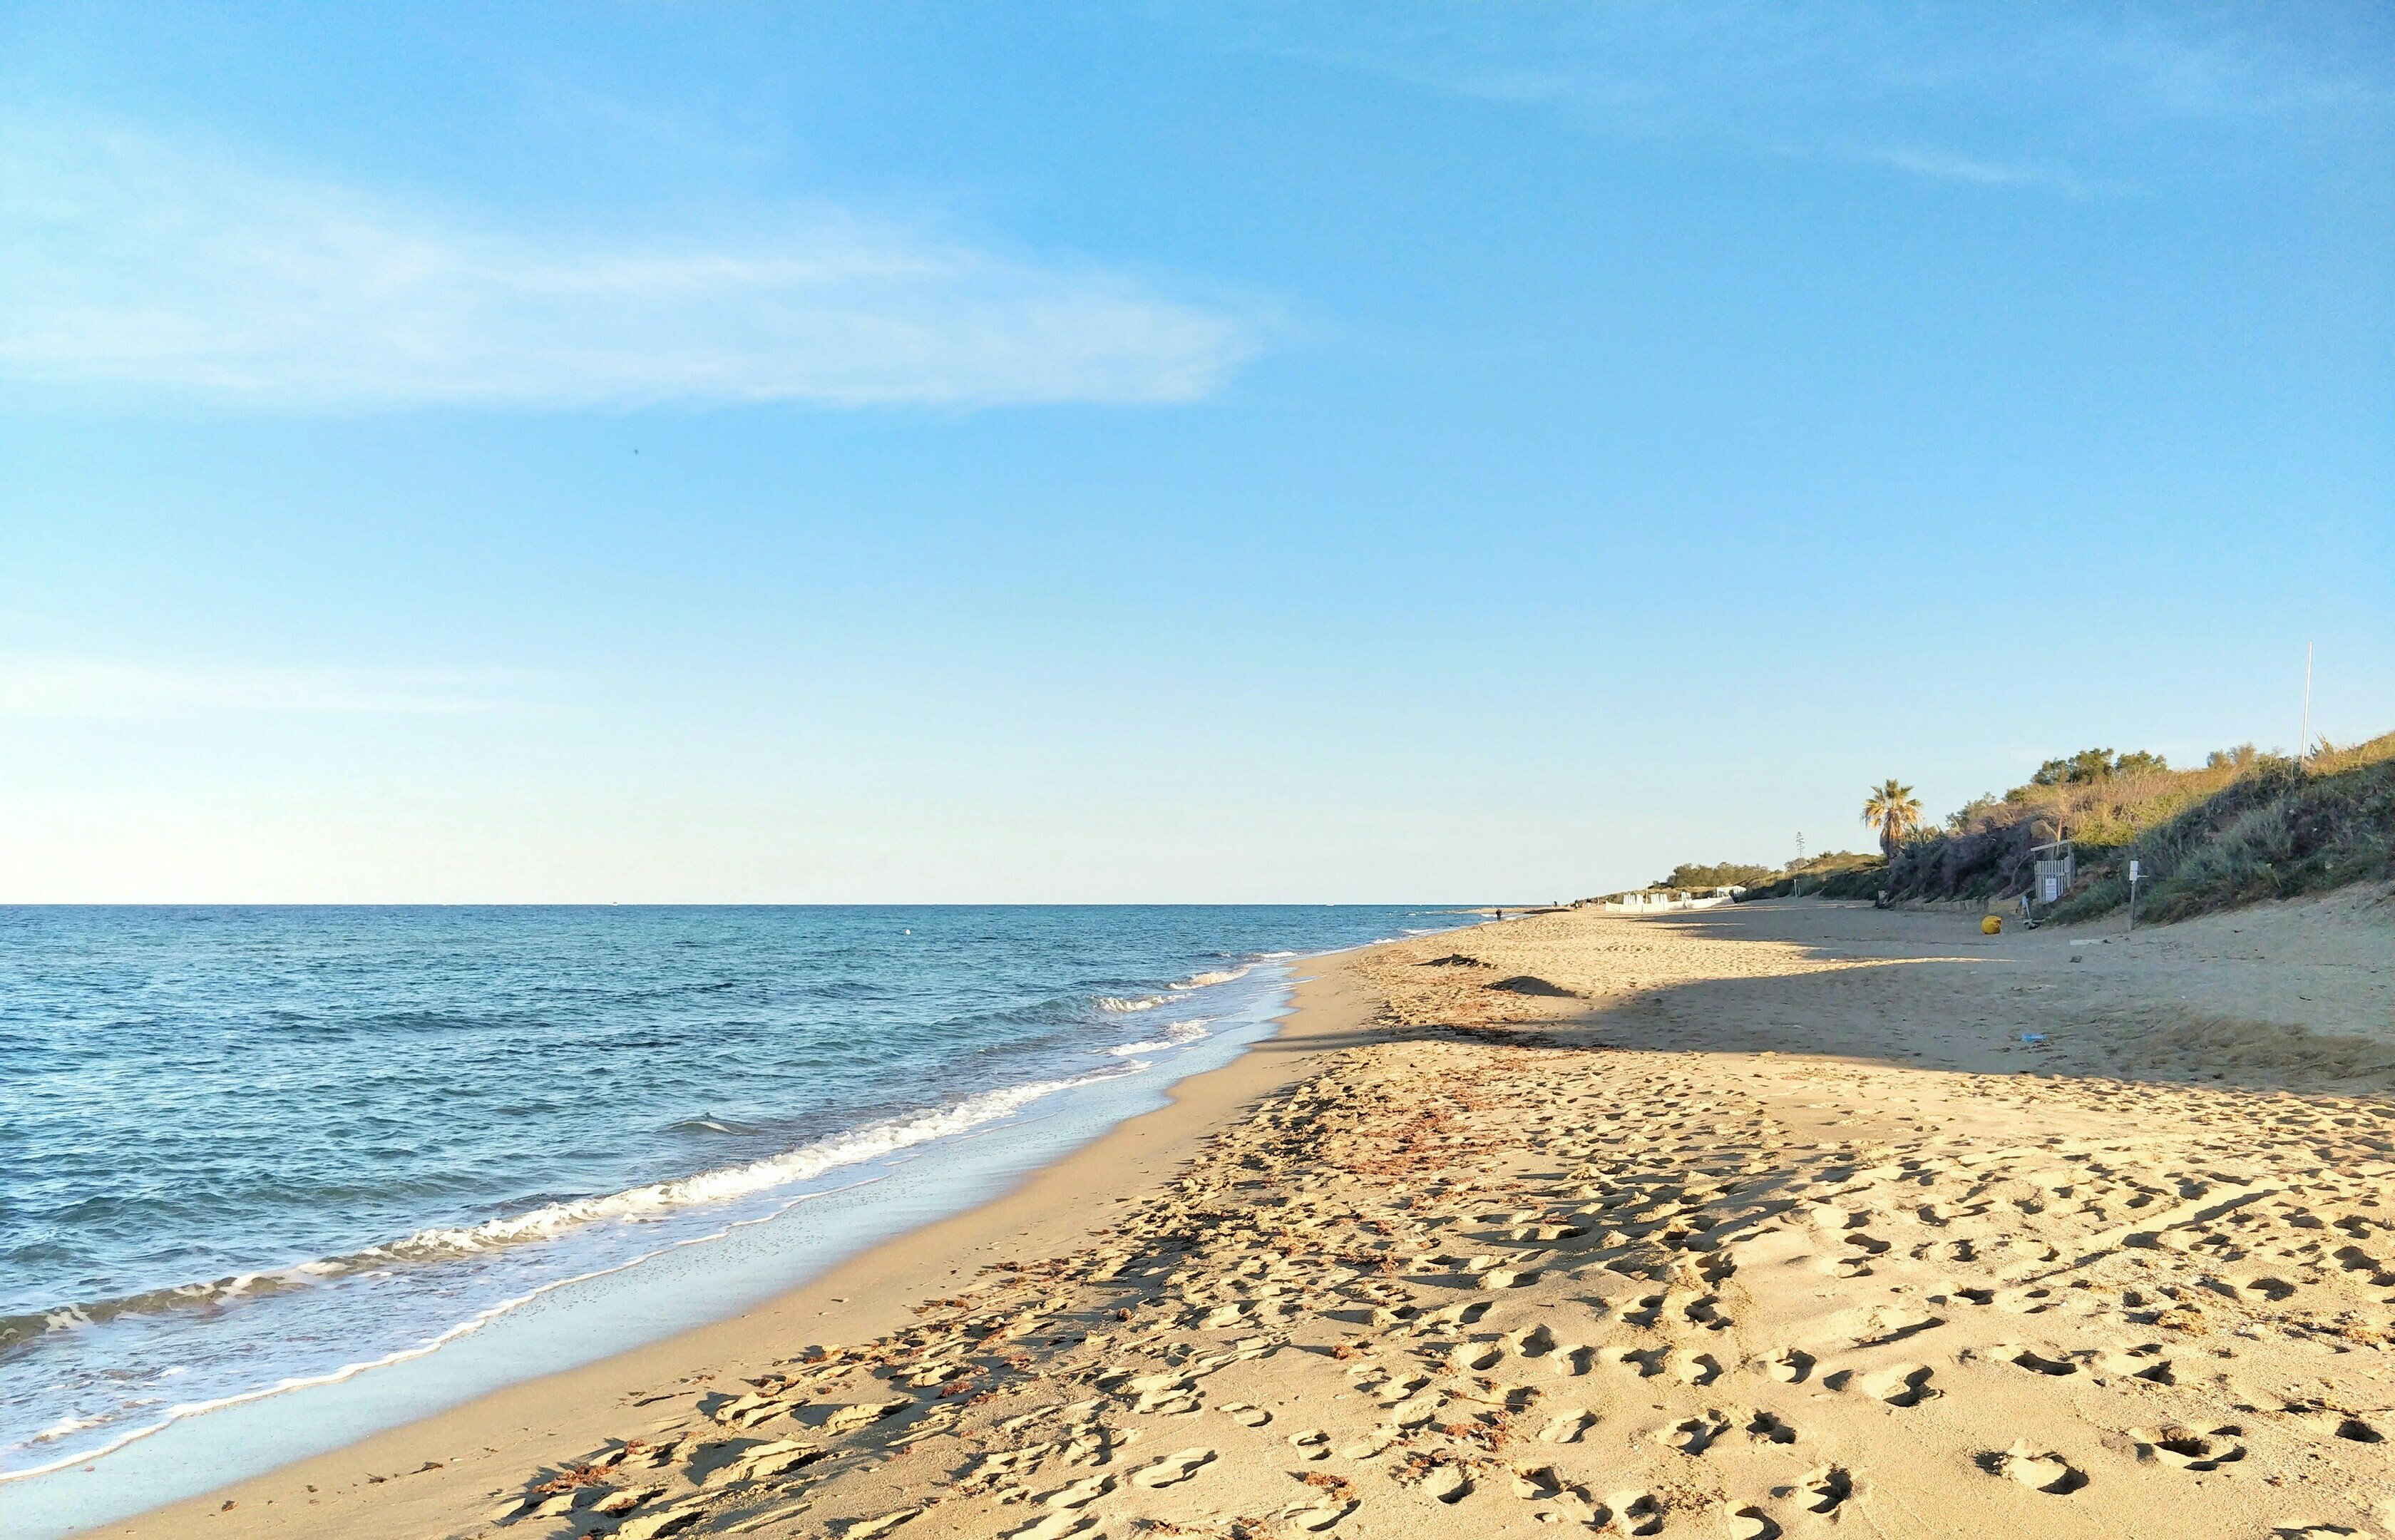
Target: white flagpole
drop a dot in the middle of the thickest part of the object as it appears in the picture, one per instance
(2303, 752)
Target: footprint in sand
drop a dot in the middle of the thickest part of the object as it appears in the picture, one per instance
(1080, 1494)
(1752, 1524)
(2033, 1361)
(554, 1507)
(778, 1459)
(1054, 1526)
(1695, 1435)
(1884, 1325)
(1639, 1513)
(991, 1468)
(1171, 1395)
(1899, 1384)
(1566, 1426)
(1535, 1342)
(1371, 1446)
(1173, 1468)
(1448, 1483)
(1476, 1358)
(1823, 1490)
(2334, 1420)
(1458, 1315)
(1766, 1428)
(1321, 1516)
(1243, 1414)
(2188, 1450)
(868, 1529)
(2144, 1363)
(846, 1418)
(2040, 1470)
(1574, 1504)
(1312, 1444)
(1537, 1484)
(1788, 1366)
(1645, 1362)
(1573, 1359)
(626, 1501)
(2353, 1259)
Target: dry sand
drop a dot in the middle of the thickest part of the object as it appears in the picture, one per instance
(1750, 1222)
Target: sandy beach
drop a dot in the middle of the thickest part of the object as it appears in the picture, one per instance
(1741, 1222)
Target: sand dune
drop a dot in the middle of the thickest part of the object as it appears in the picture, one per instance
(1773, 1222)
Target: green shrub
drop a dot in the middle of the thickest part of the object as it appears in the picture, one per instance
(2246, 826)
(2277, 830)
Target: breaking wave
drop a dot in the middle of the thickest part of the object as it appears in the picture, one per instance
(1204, 980)
(551, 1219)
(1116, 1004)
(1181, 1034)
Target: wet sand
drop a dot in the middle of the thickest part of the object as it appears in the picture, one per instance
(1744, 1222)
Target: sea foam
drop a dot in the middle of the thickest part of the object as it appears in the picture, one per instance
(440, 1145)
(1116, 1005)
(549, 1220)
(1206, 980)
(1180, 1034)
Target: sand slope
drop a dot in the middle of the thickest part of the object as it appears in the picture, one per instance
(1772, 1223)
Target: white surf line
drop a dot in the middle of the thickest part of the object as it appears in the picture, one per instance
(462, 1329)
(1208, 979)
(896, 1155)
(551, 1221)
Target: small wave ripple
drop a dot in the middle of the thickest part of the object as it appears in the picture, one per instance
(416, 1119)
(552, 1219)
(1208, 980)
(1179, 1034)
(1118, 1005)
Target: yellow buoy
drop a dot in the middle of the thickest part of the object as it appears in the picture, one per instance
(1991, 925)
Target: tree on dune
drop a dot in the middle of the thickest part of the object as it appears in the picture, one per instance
(2090, 766)
(1895, 812)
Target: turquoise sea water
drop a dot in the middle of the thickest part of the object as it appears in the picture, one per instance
(252, 1154)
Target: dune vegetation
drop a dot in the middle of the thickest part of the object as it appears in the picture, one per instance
(2243, 827)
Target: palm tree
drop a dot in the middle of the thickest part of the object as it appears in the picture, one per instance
(1895, 812)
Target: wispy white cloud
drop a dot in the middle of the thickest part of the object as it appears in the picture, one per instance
(1954, 168)
(38, 684)
(2024, 95)
(1940, 164)
(133, 263)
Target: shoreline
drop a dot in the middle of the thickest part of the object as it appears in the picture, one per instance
(859, 1297)
(1689, 1224)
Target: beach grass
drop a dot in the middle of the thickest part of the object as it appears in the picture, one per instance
(2244, 827)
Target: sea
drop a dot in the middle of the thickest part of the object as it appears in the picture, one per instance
(273, 1178)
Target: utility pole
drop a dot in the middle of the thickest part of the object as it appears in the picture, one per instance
(1797, 878)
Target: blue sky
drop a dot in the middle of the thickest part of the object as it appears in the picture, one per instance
(855, 452)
